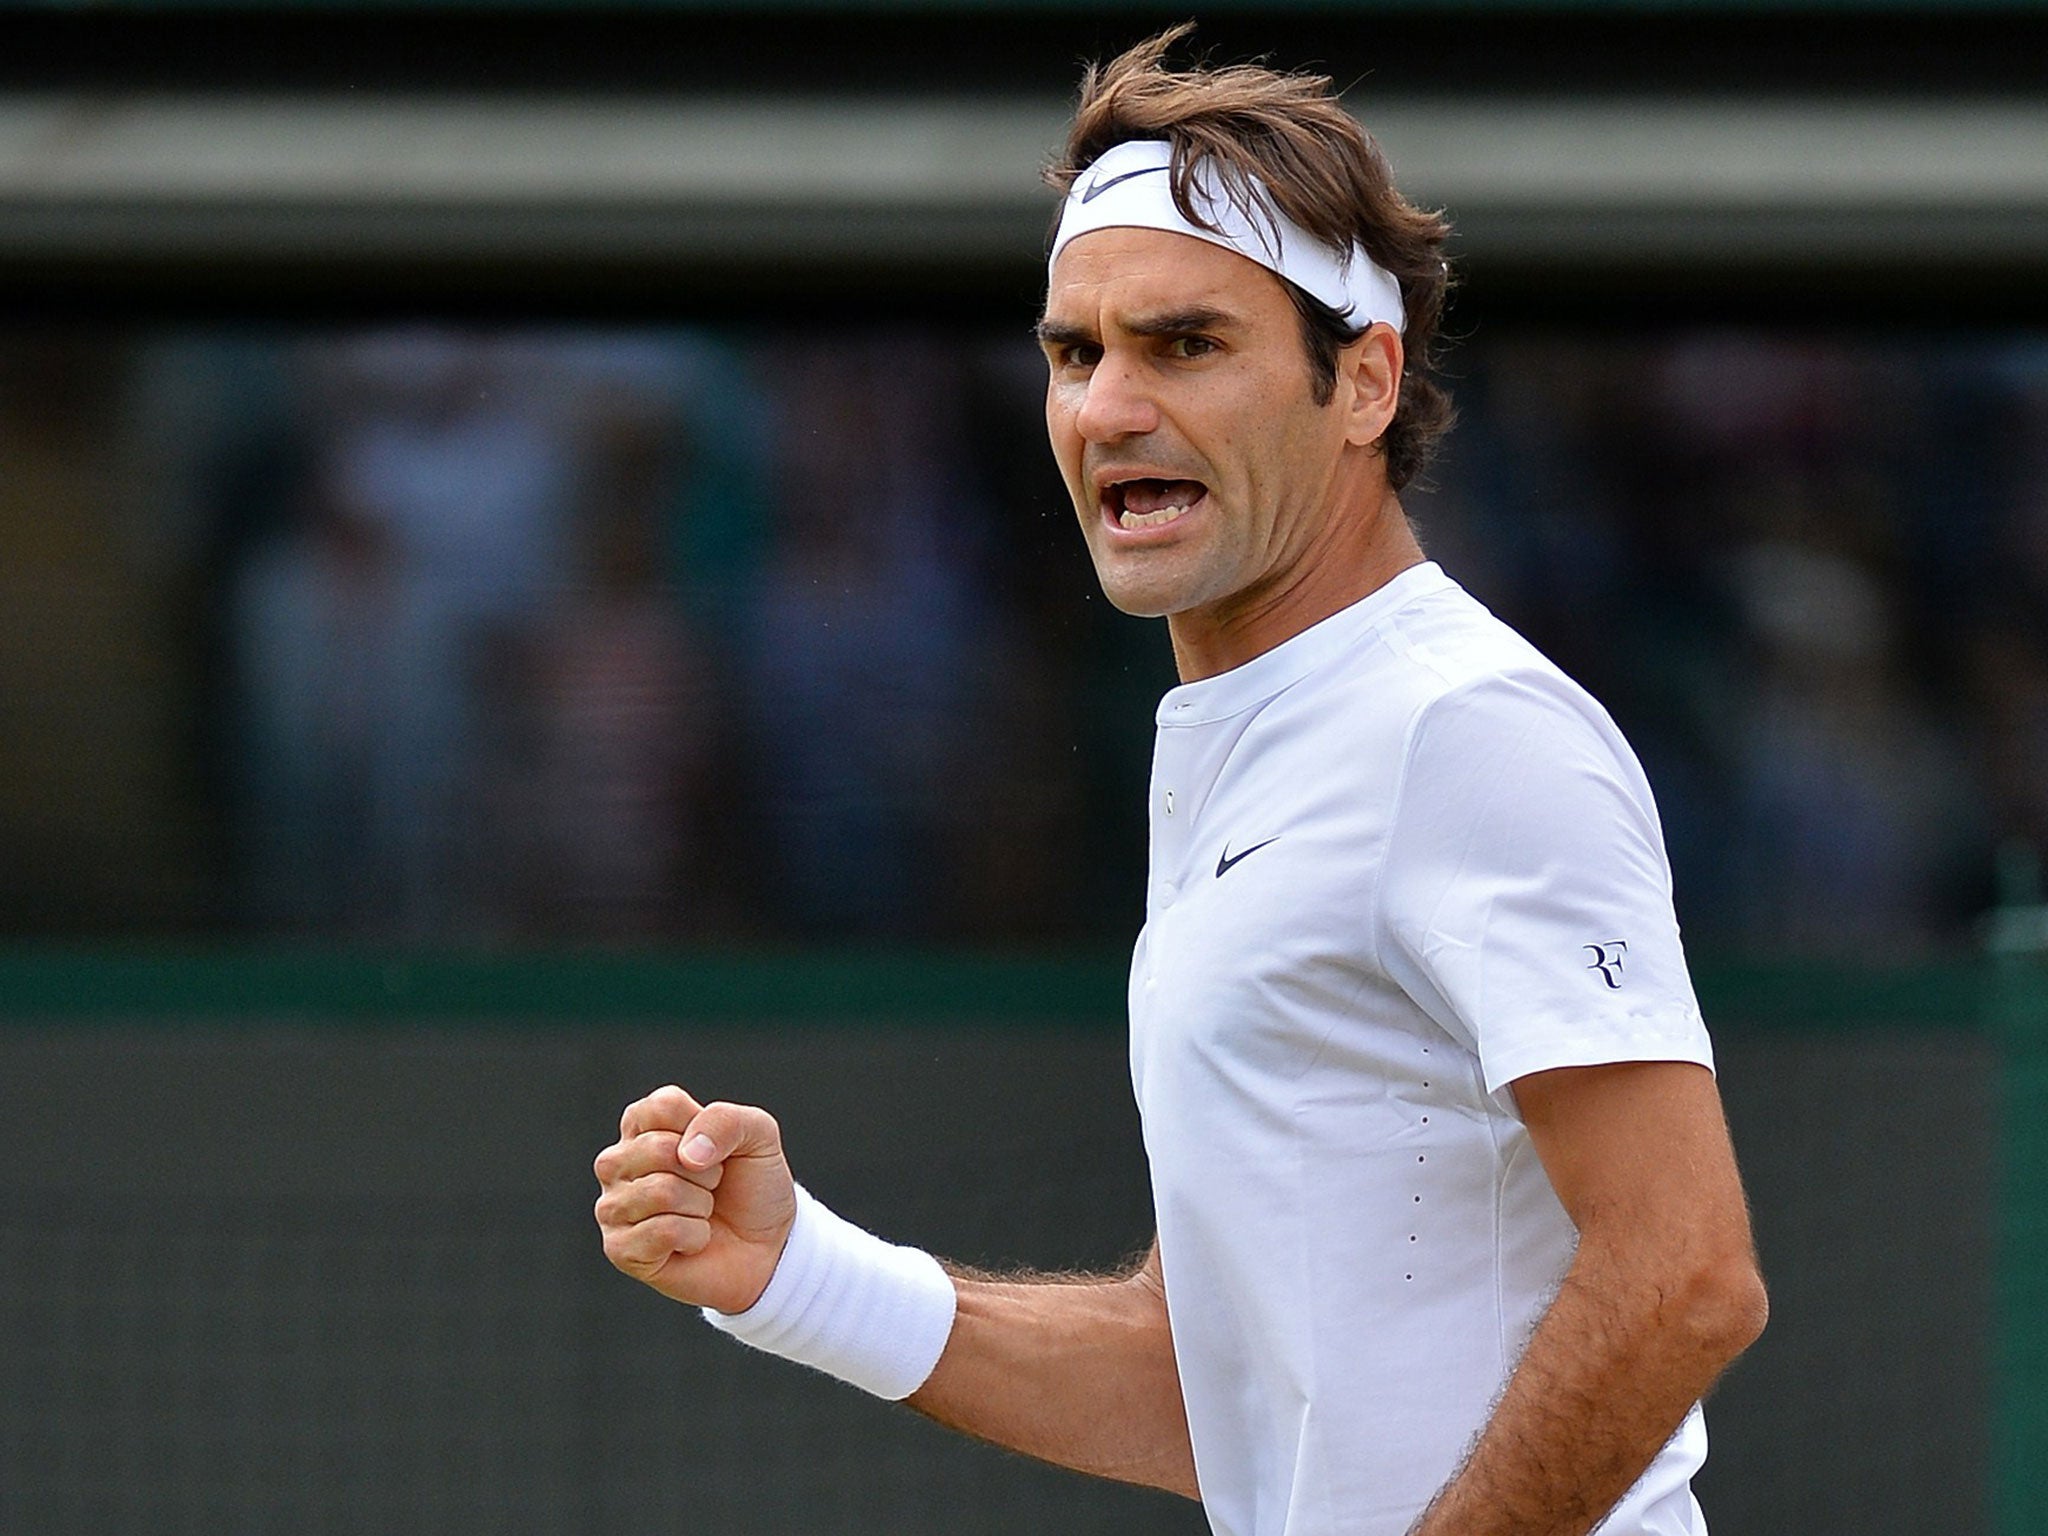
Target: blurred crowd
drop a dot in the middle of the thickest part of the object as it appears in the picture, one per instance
(450, 636)
(1810, 577)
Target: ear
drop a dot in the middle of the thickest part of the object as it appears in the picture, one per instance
(1369, 383)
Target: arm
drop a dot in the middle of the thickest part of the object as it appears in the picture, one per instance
(1076, 1371)
(697, 1201)
(1662, 1295)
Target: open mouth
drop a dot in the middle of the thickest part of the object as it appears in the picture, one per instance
(1150, 503)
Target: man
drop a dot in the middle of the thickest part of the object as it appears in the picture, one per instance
(1450, 1237)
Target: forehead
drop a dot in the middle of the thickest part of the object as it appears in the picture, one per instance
(1111, 273)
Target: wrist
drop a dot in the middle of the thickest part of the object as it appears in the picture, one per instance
(848, 1303)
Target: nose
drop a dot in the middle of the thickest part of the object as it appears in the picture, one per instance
(1117, 402)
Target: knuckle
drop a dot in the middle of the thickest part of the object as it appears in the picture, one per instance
(617, 1248)
(640, 1247)
(650, 1110)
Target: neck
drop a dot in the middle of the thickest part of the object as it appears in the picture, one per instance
(1354, 558)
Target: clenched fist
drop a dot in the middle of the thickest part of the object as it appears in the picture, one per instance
(697, 1200)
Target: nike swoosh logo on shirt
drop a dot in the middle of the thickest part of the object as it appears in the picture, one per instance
(1097, 187)
(1225, 863)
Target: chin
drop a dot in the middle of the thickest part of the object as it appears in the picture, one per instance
(1140, 599)
(1146, 587)
(1137, 607)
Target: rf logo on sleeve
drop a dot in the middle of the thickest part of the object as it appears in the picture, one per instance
(1607, 960)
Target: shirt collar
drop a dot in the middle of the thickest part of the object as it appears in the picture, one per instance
(1273, 672)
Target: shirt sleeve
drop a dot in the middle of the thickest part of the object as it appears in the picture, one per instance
(1527, 885)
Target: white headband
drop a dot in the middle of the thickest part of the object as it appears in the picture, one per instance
(1130, 186)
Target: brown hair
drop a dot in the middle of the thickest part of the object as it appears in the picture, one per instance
(1290, 134)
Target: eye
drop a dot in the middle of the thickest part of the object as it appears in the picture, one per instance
(1190, 347)
(1076, 354)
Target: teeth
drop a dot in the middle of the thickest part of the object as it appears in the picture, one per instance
(1149, 519)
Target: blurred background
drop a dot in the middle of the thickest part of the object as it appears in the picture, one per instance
(529, 569)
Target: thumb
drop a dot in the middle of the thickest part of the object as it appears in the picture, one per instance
(756, 1195)
(720, 1132)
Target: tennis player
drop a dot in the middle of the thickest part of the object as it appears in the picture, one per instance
(1450, 1235)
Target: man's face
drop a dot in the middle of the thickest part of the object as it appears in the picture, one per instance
(1179, 408)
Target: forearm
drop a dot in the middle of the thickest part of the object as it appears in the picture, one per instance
(1605, 1382)
(1079, 1372)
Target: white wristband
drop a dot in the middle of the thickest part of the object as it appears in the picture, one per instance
(845, 1302)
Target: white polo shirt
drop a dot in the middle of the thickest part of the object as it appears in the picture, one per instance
(1397, 862)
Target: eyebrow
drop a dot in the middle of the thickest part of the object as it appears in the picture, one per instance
(1055, 333)
(1181, 322)
(1172, 322)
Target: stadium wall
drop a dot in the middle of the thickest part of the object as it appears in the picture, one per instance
(264, 1266)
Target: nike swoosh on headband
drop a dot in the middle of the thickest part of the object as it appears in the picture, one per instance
(1099, 186)
(1118, 192)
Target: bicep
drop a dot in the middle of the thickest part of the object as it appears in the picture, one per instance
(1639, 1148)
